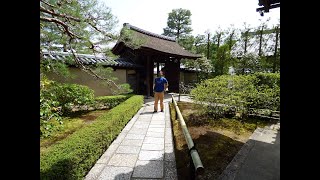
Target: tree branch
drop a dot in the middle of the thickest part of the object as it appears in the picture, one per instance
(48, 4)
(57, 14)
(99, 30)
(65, 26)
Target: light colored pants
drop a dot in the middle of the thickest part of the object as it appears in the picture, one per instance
(158, 96)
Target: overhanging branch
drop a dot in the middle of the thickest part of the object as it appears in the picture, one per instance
(42, 9)
(64, 25)
(90, 71)
(99, 30)
(48, 4)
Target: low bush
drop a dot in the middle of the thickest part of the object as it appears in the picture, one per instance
(227, 94)
(268, 91)
(221, 93)
(57, 99)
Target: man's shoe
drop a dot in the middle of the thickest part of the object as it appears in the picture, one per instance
(155, 111)
(161, 110)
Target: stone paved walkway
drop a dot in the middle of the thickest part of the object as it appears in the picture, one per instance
(143, 150)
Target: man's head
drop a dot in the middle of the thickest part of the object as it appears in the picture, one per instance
(161, 73)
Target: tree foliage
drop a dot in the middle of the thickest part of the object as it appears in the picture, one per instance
(187, 42)
(202, 66)
(248, 63)
(78, 25)
(238, 48)
(178, 23)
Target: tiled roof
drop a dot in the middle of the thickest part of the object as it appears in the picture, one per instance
(155, 42)
(88, 59)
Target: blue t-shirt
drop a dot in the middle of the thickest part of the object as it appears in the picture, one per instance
(159, 84)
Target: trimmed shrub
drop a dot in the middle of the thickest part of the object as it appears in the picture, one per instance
(223, 92)
(227, 94)
(73, 157)
(111, 101)
(269, 79)
(268, 94)
(69, 95)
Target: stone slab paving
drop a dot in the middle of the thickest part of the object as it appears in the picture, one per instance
(143, 150)
(259, 157)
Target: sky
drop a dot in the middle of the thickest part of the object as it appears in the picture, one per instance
(207, 15)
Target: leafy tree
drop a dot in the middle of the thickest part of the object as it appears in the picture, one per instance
(259, 31)
(200, 44)
(248, 61)
(187, 42)
(178, 23)
(264, 41)
(202, 66)
(222, 58)
(272, 62)
(197, 45)
(76, 26)
(59, 68)
(221, 61)
(245, 60)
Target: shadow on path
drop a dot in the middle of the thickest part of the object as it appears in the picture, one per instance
(258, 159)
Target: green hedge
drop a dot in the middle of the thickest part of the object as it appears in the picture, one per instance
(73, 157)
(112, 101)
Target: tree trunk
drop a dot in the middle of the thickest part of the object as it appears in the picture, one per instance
(65, 48)
(260, 43)
(245, 42)
(219, 35)
(245, 48)
(208, 46)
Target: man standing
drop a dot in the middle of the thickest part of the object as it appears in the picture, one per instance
(159, 86)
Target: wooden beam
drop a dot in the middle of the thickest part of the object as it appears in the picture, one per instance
(148, 76)
(152, 51)
(157, 69)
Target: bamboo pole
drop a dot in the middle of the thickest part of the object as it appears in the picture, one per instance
(198, 167)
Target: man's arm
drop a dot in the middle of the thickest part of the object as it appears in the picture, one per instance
(166, 85)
